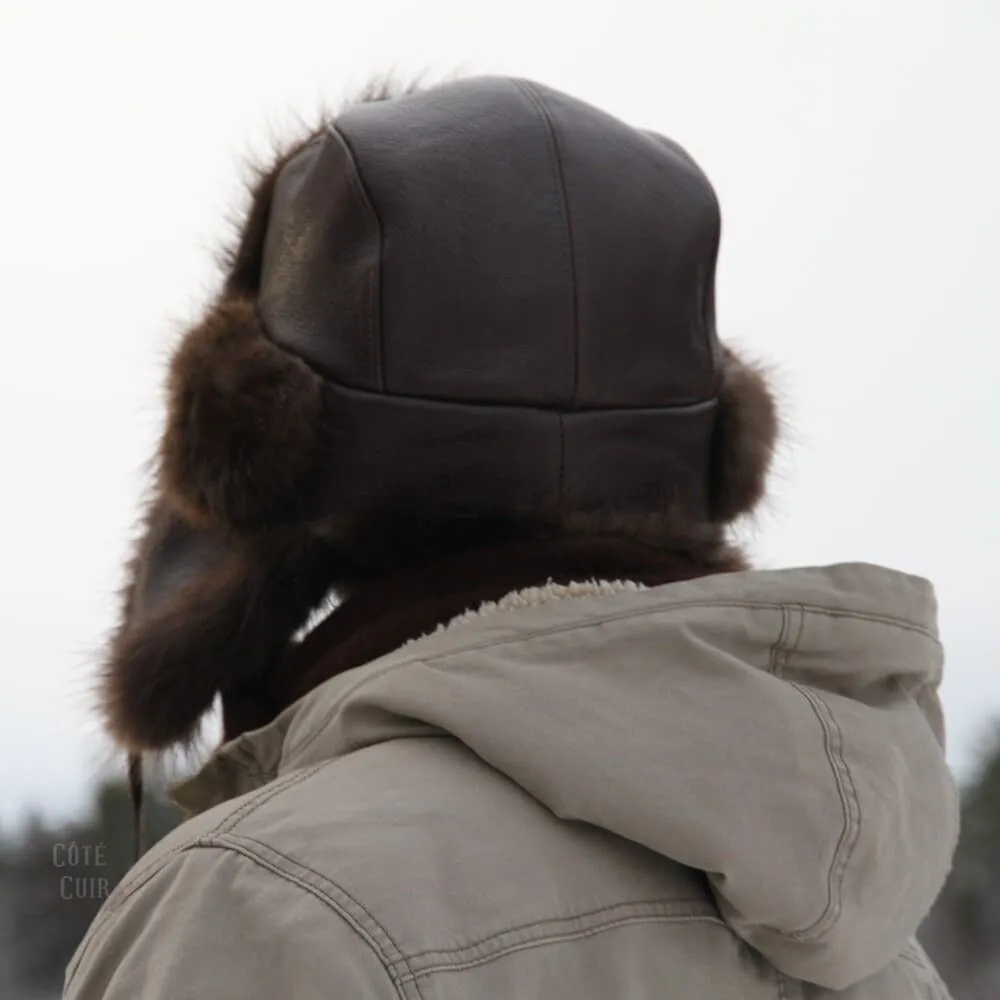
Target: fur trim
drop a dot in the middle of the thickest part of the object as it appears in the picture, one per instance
(244, 434)
(202, 612)
(746, 433)
(535, 597)
(233, 558)
(245, 423)
(147, 697)
(385, 612)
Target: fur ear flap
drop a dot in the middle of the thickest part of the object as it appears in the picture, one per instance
(746, 432)
(203, 613)
(245, 424)
(167, 657)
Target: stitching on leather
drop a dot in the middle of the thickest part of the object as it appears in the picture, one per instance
(531, 92)
(708, 288)
(662, 907)
(373, 282)
(385, 394)
(593, 624)
(562, 461)
(850, 807)
(709, 332)
(539, 942)
(686, 408)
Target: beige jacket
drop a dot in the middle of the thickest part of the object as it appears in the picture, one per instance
(727, 788)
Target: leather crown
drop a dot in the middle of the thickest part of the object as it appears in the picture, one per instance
(486, 299)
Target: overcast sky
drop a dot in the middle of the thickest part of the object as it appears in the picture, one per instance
(857, 159)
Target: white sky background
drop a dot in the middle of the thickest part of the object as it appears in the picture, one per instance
(857, 157)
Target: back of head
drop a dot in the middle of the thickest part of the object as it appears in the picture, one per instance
(474, 314)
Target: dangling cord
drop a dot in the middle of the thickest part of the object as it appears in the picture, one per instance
(135, 795)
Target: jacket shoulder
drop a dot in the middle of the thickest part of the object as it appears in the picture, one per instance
(220, 916)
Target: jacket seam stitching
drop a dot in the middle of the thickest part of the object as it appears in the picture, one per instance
(238, 844)
(238, 839)
(265, 794)
(833, 741)
(780, 656)
(124, 892)
(590, 625)
(774, 658)
(103, 919)
(653, 908)
(916, 956)
(802, 625)
(543, 940)
(852, 819)
(136, 880)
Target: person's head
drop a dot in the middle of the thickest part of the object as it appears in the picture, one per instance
(477, 315)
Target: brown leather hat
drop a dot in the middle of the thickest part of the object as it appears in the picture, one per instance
(507, 291)
(483, 300)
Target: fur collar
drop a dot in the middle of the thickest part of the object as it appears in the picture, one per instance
(533, 597)
(382, 615)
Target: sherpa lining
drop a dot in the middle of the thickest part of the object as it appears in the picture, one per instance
(533, 597)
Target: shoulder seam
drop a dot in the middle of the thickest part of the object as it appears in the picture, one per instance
(135, 879)
(542, 940)
(556, 927)
(323, 888)
(362, 923)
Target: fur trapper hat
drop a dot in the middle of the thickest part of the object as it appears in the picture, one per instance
(479, 311)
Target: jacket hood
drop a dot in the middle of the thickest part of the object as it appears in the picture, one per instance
(779, 731)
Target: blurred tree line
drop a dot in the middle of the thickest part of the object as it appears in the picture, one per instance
(962, 933)
(53, 881)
